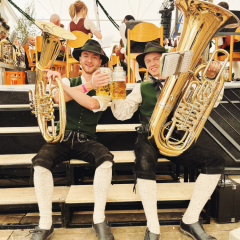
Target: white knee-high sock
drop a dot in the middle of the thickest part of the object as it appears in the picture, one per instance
(43, 182)
(148, 193)
(203, 189)
(236, 69)
(101, 184)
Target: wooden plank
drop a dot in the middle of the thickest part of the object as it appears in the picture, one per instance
(26, 159)
(5, 234)
(119, 157)
(124, 193)
(14, 196)
(100, 128)
(236, 179)
(16, 159)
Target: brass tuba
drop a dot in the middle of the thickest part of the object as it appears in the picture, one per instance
(41, 99)
(192, 99)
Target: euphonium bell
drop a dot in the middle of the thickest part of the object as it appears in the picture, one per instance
(191, 99)
(41, 100)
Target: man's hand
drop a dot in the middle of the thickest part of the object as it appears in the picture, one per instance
(52, 75)
(213, 69)
(100, 79)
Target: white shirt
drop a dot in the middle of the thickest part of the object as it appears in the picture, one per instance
(122, 30)
(103, 100)
(31, 46)
(124, 109)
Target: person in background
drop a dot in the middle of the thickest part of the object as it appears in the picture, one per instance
(84, 110)
(224, 43)
(146, 95)
(55, 19)
(165, 41)
(129, 22)
(121, 51)
(78, 13)
(31, 41)
(115, 49)
(121, 54)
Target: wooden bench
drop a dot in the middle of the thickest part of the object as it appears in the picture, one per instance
(9, 160)
(13, 161)
(121, 197)
(123, 161)
(119, 157)
(121, 201)
(24, 200)
(25, 159)
(22, 196)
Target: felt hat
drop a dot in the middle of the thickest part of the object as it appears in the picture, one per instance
(151, 47)
(90, 46)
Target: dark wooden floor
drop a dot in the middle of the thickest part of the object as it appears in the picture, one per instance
(220, 231)
(169, 232)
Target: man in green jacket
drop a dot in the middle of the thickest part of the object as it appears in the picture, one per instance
(84, 109)
(144, 96)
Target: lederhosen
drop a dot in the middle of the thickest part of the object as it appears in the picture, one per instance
(198, 157)
(79, 140)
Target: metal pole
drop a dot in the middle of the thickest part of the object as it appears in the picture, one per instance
(96, 13)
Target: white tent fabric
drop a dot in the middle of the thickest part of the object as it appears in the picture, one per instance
(145, 10)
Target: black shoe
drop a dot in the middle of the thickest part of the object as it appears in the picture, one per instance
(195, 230)
(103, 231)
(41, 234)
(151, 236)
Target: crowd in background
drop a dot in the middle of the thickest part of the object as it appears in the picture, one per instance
(79, 22)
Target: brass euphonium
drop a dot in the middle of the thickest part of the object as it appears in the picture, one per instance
(41, 99)
(192, 99)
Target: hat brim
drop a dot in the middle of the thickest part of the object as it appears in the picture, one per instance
(77, 53)
(140, 57)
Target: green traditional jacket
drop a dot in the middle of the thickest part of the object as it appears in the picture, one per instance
(79, 118)
(149, 99)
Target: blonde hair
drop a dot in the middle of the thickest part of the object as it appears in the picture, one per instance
(76, 8)
(114, 47)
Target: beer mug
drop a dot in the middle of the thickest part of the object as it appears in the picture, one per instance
(105, 90)
(119, 83)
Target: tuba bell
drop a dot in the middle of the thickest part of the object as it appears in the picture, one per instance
(41, 99)
(185, 102)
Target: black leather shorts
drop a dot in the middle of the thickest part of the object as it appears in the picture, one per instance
(75, 145)
(197, 158)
